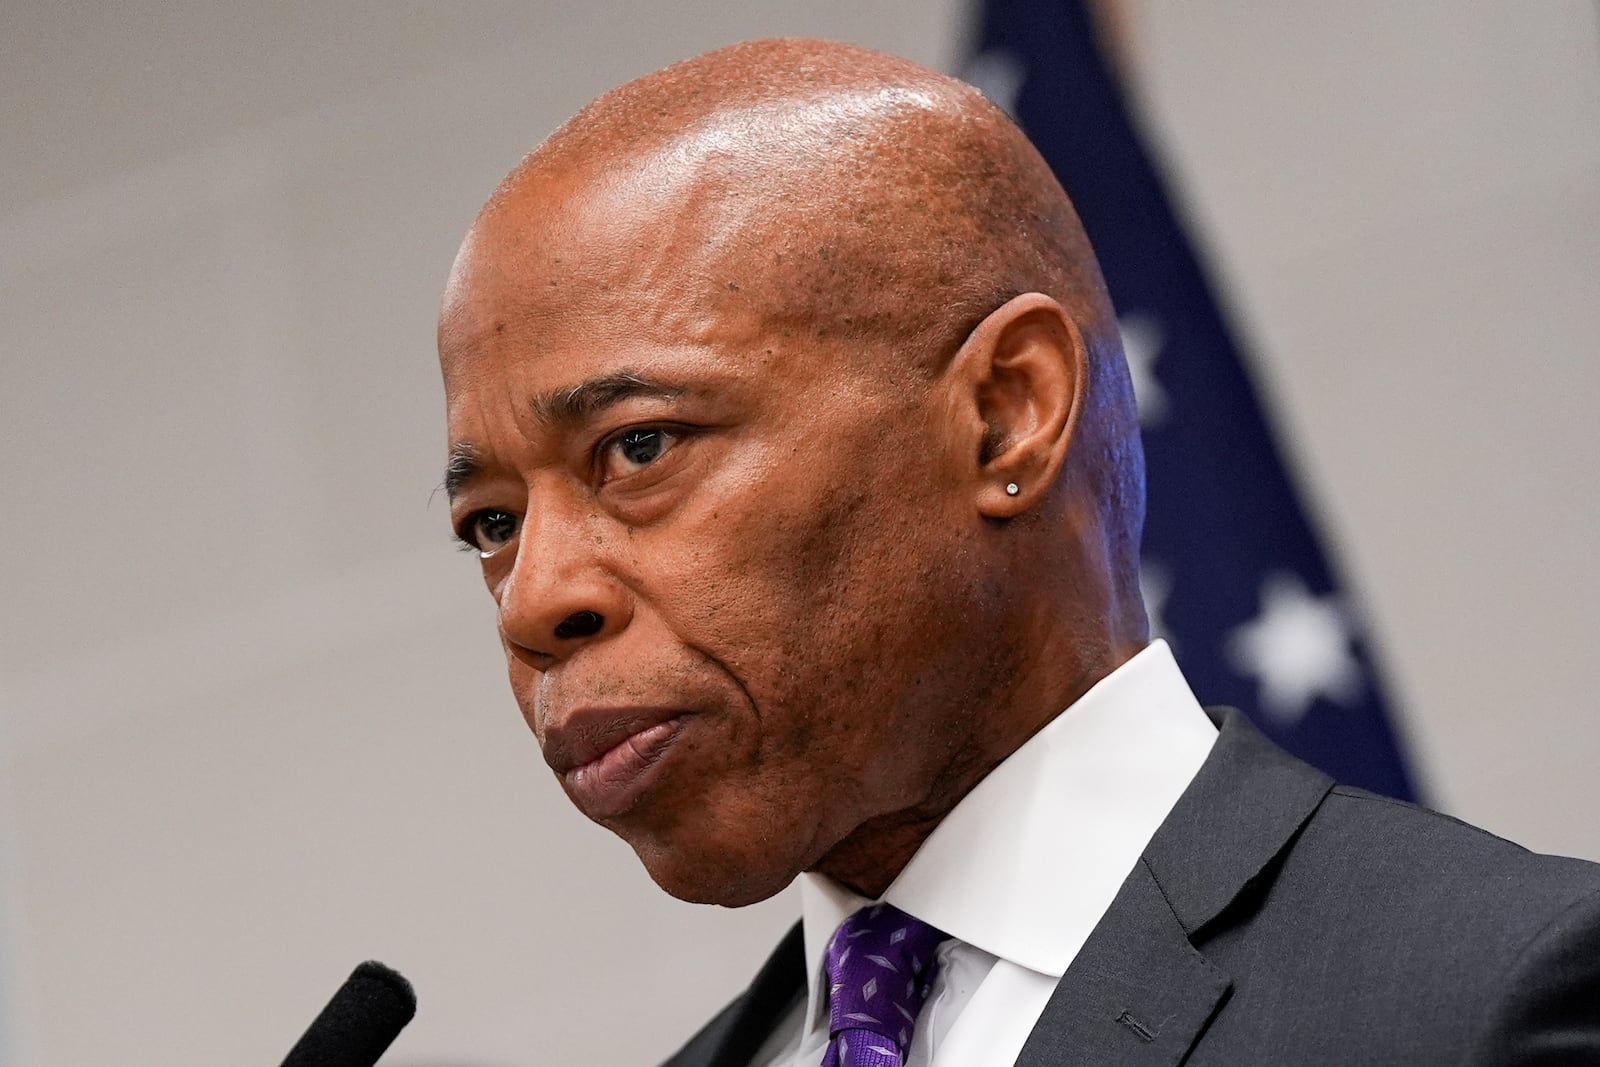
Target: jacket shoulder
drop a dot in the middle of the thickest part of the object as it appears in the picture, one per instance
(1415, 849)
(1419, 938)
(1411, 889)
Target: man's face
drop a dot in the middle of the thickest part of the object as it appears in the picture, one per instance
(733, 568)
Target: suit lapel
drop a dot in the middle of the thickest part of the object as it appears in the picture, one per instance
(1139, 993)
(1241, 811)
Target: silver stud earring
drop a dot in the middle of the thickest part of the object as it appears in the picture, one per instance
(1012, 489)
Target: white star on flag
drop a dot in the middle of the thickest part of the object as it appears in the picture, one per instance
(1299, 647)
(1142, 338)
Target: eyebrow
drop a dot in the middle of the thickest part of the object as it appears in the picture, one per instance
(562, 407)
(567, 406)
(463, 465)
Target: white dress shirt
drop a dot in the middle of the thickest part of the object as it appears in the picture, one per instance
(1023, 868)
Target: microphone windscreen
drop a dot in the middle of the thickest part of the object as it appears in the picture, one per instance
(363, 1018)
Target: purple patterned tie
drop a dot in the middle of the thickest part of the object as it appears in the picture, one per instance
(880, 966)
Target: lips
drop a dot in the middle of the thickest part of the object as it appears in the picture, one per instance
(607, 756)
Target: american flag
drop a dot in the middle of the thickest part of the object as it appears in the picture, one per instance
(1234, 575)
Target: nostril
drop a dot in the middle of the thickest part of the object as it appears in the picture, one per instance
(580, 624)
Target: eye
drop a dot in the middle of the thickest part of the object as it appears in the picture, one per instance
(490, 530)
(632, 449)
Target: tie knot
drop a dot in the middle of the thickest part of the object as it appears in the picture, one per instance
(880, 964)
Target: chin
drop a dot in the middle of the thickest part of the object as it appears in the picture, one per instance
(706, 875)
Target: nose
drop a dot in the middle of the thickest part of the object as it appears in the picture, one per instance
(562, 591)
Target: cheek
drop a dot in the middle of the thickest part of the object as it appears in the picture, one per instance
(832, 609)
(821, 605)
(763, 586)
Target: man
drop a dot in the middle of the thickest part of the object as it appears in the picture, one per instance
(788, 414)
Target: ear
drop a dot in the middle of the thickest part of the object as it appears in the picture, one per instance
(1025, 371)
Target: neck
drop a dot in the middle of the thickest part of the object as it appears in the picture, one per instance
(871, 856)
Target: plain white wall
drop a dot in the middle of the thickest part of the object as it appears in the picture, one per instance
(254, 727)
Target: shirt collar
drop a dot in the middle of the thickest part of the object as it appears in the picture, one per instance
(1028, 862)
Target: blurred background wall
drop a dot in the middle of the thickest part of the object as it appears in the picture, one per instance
(254, 723)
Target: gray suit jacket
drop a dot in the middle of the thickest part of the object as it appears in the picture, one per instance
(1277, 918)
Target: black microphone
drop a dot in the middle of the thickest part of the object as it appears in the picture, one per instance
(363, 1018)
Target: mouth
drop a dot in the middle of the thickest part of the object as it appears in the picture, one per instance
(606, 757)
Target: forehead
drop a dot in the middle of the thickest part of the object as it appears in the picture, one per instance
(600, 262)
(572, 275)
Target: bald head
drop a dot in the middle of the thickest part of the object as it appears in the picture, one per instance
(891, 193)
(849, 194)
(783, 386)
